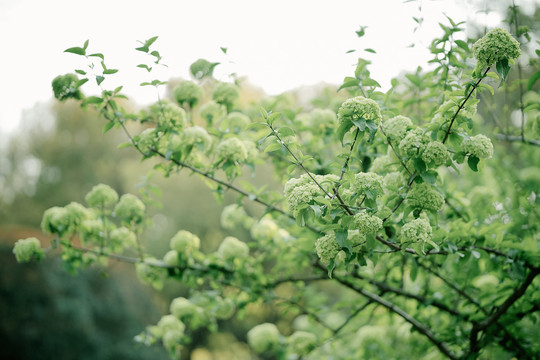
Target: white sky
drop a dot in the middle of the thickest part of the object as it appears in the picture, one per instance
(278, 44)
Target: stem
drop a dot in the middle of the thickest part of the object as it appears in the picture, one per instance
(521, 107)
(473, 88)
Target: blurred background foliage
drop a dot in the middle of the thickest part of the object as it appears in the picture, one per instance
(60, 152)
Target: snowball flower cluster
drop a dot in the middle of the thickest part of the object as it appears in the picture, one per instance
(184, 242)
(264, 338)
(368, 183)
(130, 209)
(187, 92)
(196, 135)
(64, 219)
(232, 150)
(234, 216)
(382, 164)
(231, 248)
(367, 224)
(236, 122)
(321, 119)
(394, 180)
(122, 236)
(167, 113)
(302, 342)
(181, 307)
(264, 230)
(225, 93)
(28, 249)
(147, 139)
(201, 68)
(171, 330)
(212, 111)
(101, 196)
(413, 144)
(479, 146)
(416, 230)
(65, 87)
(424, 196)
(358, 108)
(435, 154)
(396, 127)
(302, 190)
(327, 248)
(495, 46)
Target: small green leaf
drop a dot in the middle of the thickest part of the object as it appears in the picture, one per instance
(360, 124)
(110, 71)
(81, 72)
(223, 49)
(532, 80)
(76, 50)
(472, 161)
(285, 131)
(85, 46)
(430, 177)
(99, 55)
(272, 147)
(99, 79)
(420, 165)
(370, 50)
(81, 82)
(349, 82)
(462, 44)
(93, 100)
(108, 126)
(124, 145)
(361, 32)
(502, 69)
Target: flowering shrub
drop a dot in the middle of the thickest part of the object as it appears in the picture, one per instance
(386, 209)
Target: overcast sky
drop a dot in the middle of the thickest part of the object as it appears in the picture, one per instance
(278, 44)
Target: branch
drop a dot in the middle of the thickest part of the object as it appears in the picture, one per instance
(421, 328)
(474, 86)
(514, 138)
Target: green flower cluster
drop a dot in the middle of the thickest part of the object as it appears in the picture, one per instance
(187, 92)
(212, 112)
(182, 308)
(65, 87)
(367, 224)
(168, 114)
(61, 220)
(321, 119)
(415, 231)
(231, 248)
(382, 164)
(265, 229)
(225, 94)
(147, 140)
(101, 195)
(327, 248)
(424, 196)
(234, 216)
(122, 236)
(479, 146)
(302, 342)
(232, 150)
(236, 122)
(358, 108)
(302, 190)
(196, 135)
(130, 209)
(394, 181)
(435, 154)
(28, 249)
(413, 144)
(201, 68)
(171, 330)
(264, 338)
(185, 242)
(368, 183)
(495, 46)
(396, 127)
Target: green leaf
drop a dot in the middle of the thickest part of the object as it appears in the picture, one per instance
(85, 46)
(99, 79)
(144, 66)
(99, 55)
(124, 145)
(361, 32)
(81, 72)
(343, 128)
(502, 69)
(76, 50)
(81, 82)
(472, 161)
(223, 49)
(360, 124)
(272, 147)
(420, 165)
(349, 82)
(317, 210)
(430, 177)
(108, 126)
(273, 116)
(93, 100)
(370, 50)
(532, 80)
(462, 44)
(110, 71)
(285, 131)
